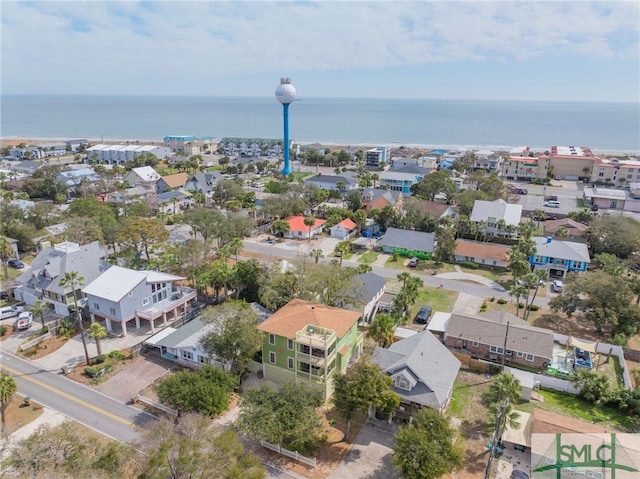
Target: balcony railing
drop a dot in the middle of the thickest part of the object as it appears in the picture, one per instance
(176, 299)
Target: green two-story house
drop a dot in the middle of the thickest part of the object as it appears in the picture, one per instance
(309, 343)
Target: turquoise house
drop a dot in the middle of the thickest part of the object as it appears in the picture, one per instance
(559, 257)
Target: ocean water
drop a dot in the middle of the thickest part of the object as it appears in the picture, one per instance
(611, 127)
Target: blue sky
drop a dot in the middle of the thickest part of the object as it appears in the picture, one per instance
(510, 50)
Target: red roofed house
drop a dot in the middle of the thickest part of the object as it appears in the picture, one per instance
(298, 230)
(344, 229)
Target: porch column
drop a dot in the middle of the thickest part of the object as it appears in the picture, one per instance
(108, 322)
(153, 330)
(164, 318)
(137, 322)
(124, 328)
(93, 318)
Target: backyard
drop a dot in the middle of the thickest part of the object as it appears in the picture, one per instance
(469, 414)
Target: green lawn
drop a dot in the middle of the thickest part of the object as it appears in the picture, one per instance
(462, 394)
(299, 175)
(423, 265)
(580, 202)
(573, 406)
(368, 257)
(438, 299)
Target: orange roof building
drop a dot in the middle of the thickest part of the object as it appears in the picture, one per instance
(297, 228)
(484, 254)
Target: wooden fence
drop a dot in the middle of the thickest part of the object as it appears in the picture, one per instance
(296, 456)
(35, 341)
(155, 405)
(632, 354)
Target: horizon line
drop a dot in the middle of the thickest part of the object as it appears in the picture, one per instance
(138, 95)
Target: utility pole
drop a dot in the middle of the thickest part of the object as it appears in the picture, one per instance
(496, 435)
(504, 346)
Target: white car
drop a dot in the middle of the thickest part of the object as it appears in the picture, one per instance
(25, 320)
(557, 286)
(10, 311)
(552, 204)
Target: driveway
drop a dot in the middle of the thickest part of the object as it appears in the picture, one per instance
(370, 454)
(141, 373)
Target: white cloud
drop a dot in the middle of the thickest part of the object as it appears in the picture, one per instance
(92, 46)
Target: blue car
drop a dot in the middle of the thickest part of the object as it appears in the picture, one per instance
(14, 263)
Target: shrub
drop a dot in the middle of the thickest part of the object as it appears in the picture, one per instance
(502, 301)
(117, 355)
(469, 265)
(98, 371)
(533, 307)
(484, 305)
(99, 359)
(520, 305)
(3, 330)
(207, 391)
(67, 327)
(492, 299)
(44, 330)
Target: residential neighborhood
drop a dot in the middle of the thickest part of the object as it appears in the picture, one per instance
(369, 290)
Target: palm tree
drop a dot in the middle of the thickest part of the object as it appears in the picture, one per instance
(518, 291)
(96, 331)
(316, 254)
(74, 281)
(342, 248)
(39, 308)
(503, 386)
(309, 221)
(526, 230)
(8, 388)
(541, 275)
(382, 329)
(539, 215)
(562, 232)
(6, 253)
(280, 228)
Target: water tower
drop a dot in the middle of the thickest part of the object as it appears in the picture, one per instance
(285, 94)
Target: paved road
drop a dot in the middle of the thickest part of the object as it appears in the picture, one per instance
(76, 401)
(276, 251)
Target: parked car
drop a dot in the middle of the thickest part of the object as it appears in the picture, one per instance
(25, 320)
(10, 311)
(552, 204)
(557, 286)
(14, 263)
(4, 295)
(413, 262)
(423, 315)
(520, 191)
(551, 198)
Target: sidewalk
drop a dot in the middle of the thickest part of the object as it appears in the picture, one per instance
(48, 417)
(72, 353)
(460, 275)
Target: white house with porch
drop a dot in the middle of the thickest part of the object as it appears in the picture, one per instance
(120, 295)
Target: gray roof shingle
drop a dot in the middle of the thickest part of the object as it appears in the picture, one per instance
(425, 359)
(408, 239)
(569, 250)
(87, 260)
(521, 337)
